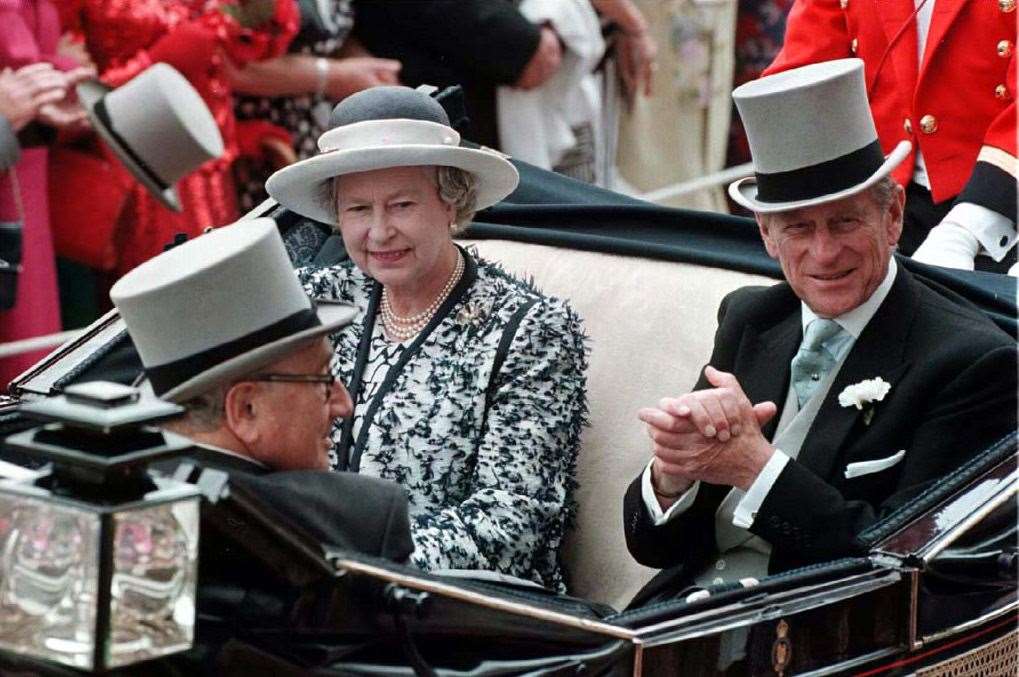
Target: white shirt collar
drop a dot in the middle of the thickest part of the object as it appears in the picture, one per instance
(856, 319)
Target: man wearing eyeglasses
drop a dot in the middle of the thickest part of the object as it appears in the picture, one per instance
(223, 327)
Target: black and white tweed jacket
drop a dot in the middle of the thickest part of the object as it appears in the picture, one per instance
(480, 421)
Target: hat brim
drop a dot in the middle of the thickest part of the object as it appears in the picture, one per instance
(303, 187)
(332, 315)
(744, 191)
(89, 94)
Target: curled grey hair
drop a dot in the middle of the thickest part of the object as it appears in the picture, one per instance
(457, 187)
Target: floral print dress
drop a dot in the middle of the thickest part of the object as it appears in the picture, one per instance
(478, 418)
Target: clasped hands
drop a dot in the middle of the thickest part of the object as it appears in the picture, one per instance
(40, 91)
(713, 435)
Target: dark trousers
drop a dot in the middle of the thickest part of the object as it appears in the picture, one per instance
(922, 214)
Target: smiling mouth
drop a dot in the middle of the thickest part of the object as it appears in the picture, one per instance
(834, 276)
(389, 256)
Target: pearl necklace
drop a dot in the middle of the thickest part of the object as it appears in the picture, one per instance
(403, 328)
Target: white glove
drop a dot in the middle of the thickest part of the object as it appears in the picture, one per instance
(948, 245)
(1014, 270)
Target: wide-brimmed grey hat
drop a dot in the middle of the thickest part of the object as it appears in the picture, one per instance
(381, 127)
(219, 307)
(157, 125)
(812, 137)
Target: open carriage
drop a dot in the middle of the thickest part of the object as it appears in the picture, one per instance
(936, 595)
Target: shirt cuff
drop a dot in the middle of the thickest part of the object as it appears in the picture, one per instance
(995, 232)
(647, 492)
(746, 510)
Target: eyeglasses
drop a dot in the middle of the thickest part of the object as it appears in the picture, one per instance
(328, 380)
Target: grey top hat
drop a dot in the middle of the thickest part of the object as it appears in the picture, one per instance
(381, 127)
(158, 126)
(218, 307)
(812, 137)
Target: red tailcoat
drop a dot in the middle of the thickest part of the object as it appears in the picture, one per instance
(957, 106)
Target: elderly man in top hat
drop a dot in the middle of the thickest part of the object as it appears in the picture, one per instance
(223, 327)
(829, 399)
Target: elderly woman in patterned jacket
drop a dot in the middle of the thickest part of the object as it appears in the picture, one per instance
(469, 385)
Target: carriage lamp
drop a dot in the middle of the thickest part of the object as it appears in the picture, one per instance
(98, 565)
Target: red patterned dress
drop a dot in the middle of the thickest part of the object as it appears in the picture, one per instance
(196, 37)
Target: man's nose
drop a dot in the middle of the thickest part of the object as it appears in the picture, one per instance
(340, 404)
(824, 246)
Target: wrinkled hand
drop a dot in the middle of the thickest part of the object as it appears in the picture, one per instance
(636, 55)
(712, 435)
(544, 62)
(24, 91)
(64, 115)
(948, 245)
(67, 114)
(353, 74)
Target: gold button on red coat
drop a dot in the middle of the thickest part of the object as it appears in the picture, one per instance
(843, 3)
(928, 124)
(1005, 49)
(1001, 92)
(853, 45)
(908, 126)
(1006, 6)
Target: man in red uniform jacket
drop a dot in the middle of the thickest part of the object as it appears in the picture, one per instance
(942, 74)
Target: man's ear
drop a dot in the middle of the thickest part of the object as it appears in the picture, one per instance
(895, 214)
(769, 242)
(240, 412)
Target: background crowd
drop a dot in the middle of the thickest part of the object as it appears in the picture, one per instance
(590, 88)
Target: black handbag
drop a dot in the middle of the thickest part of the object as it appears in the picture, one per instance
(10, 249)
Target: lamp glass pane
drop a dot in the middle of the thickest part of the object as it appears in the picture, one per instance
(49, 572)
(155, 572)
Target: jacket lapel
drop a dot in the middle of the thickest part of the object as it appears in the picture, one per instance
(880, 351)
(942, 16)
(899, 24)
(763, 363)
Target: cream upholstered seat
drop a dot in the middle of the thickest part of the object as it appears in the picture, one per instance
(651, 325)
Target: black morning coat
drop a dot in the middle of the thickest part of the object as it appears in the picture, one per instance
(343, 510)
(953, 394)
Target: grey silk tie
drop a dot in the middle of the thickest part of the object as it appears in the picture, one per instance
(813, 361)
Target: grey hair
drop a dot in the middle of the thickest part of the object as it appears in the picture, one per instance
(457, 188)
(883, 192)
(204, 413)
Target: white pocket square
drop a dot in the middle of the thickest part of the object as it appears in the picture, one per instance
(877, 465)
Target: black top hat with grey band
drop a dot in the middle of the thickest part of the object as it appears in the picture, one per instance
(812, 137)
(158, 126)
(219, 307)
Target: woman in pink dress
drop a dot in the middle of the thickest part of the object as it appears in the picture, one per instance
(29, 30)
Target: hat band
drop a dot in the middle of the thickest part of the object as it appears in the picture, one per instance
(167, 376)
(824, 178)
(104, 117)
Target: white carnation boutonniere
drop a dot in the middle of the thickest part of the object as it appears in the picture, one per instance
(864, 393)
